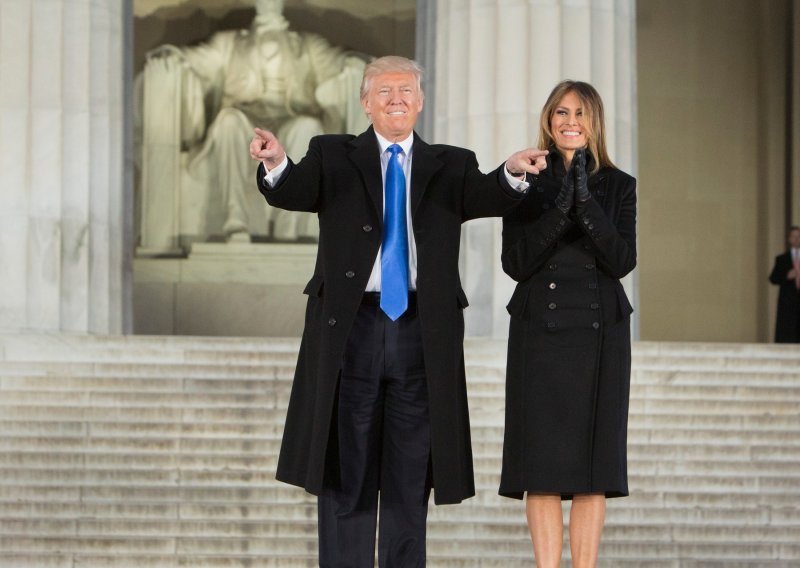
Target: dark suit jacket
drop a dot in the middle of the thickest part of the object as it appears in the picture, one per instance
(340, 180)
(787, 323)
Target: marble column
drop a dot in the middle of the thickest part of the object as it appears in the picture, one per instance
(495, 63)
(65, 203)
(795, 113)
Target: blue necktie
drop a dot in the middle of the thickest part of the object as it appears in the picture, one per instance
(394, 251)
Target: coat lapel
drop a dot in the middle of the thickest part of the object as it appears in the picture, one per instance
(424, 164)
(365, 155)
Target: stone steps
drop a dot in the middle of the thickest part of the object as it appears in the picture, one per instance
(140, 451)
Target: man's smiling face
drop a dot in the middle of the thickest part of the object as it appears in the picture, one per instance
(393, 102)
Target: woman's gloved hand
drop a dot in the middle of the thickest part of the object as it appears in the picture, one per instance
(578, 169)
(566, 197)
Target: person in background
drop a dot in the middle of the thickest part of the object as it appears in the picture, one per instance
(786, 275)
(569, 351)
(379, 400)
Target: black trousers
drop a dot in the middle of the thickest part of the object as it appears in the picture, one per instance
(383, 439)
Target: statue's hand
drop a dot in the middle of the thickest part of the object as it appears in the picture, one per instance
(163, 52)
(265, 147)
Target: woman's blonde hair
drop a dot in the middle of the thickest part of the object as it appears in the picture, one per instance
(593, 120)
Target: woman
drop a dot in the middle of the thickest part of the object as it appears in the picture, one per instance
(568, 376)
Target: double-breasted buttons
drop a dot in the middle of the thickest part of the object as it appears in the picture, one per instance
(552, 305)
(552, 286)
(596, 325)
(349, 274)
(332, 322)
(366, 228)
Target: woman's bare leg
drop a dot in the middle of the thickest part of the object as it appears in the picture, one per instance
(585, 528)
(546, 524)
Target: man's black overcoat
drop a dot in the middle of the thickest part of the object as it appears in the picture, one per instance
(340, 179)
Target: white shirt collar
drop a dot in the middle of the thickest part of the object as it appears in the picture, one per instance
(404, 144)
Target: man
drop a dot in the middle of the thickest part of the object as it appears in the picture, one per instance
(379, 402)
(786, 274)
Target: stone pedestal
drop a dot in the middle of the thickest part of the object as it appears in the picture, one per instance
(224, 289)
(63, 206)
(495, 63)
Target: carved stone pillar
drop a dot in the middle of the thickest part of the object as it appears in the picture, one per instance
(64, 208)
(495, 64)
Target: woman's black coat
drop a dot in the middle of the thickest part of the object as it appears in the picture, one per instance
(568, 373)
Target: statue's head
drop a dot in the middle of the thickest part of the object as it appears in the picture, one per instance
(269, 16)
(269, 7)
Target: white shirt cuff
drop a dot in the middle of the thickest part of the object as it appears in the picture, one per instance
(275, 174)
(515, 182)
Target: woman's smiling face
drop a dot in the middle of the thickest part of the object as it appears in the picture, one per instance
(567, 125)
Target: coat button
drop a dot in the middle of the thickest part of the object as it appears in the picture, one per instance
(349, 273)
(586, 221)
(551, 324)
(553, 266)
(589, 266)
(592, 285)
(332, 322)
(596, 325)
(552, 305)
(552, 286)
(590, 226)
(594, 305)
(366, 228)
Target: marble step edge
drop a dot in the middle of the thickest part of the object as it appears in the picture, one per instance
(447, 547)
(614, 528)
(478, 345)
(434, 560)
(227, 448)
(211, 489)
(143, 463)
(118, 364)
(279, 381)
(252, 418)
(183, 399)
(639, 429)
(621, 512)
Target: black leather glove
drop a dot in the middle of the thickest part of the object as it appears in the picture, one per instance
(566, 197)
(578, 168)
